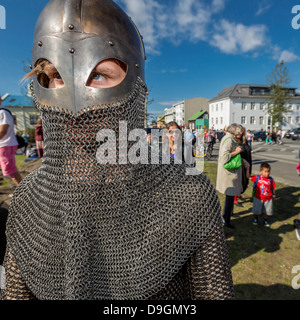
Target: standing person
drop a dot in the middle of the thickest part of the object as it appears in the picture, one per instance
(250, 138)
(274, 136)
(269, 137)
(247, 164)
(264, 193)
(298, 166)
(25, 136)
(80, 228)
(229, 182)
(189, 136)
(174, 134)
(8, 145)
(39, 138)
(279, 136)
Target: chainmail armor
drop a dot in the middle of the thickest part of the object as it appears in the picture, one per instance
(80, 230)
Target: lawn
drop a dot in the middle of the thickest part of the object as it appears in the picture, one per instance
(262, 258)
(20, 160)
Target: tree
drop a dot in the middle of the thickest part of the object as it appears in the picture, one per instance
(279, 95)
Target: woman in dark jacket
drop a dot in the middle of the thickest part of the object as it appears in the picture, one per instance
(247, 156)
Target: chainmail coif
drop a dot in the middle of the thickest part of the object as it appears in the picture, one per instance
(81, 230)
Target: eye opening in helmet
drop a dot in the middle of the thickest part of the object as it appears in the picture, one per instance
(108, 73)
(47, 74)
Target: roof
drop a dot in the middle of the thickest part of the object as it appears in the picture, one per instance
(197, 115)
(242, 91)
(17, 101)
(237, 90)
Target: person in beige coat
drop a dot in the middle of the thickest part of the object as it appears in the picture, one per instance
(229, 182)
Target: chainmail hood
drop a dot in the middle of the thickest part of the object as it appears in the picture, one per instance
(81, 230)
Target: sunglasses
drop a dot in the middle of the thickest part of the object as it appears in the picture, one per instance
(173, 132)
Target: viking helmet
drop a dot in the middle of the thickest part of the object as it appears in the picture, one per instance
(75, 35)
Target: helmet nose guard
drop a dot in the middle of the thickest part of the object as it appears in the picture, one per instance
(75, 35)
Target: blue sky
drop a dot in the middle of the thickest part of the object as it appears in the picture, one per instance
(194, 48)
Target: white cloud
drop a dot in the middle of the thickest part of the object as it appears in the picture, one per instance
(168, 103)
(218, 5)
(263, 7)
(235, 38)
(288, 56)
(174, 71)
(193, 21)
(181, 21)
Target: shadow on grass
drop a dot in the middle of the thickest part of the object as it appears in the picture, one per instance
(247, 239)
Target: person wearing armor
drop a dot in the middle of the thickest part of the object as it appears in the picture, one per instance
(81, 229)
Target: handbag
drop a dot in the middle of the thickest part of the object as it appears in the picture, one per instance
(234, 163)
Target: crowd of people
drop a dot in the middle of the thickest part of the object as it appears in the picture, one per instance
(232, 182)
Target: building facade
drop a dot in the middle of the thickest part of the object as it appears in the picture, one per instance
(23, 110)
(184, 110)
(248, 105)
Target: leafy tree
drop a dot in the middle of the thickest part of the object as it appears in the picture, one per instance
(279, 95)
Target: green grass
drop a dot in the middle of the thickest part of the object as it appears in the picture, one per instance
(20, 160)
(262, 258)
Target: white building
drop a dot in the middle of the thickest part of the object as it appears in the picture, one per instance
(248, 105)
(169, 115)
(183, 110)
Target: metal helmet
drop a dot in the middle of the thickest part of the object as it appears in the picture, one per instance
(76, 35)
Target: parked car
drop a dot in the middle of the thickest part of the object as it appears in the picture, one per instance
(296, 135)
(259, 136)
(288, 134)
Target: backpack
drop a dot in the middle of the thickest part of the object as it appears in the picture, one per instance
(256, 182)
(20, 140)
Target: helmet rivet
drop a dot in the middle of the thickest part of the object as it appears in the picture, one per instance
(137, 66)
(71, 26)
(40, 43)
(72, 50)
(111, 43)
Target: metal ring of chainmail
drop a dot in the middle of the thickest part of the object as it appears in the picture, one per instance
(80, 230)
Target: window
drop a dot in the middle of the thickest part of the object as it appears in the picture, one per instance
(289, 120)
(262, 106)
(212, 108)
(212, 120)
(221, 106)
(33, 119)
(297, 120)
(252, 120)
(243, 105)
(243, 120)
(290, 107)
(221, 120)
(261, 120)
(269, 121)
(216, 120)
(217, 109)
(252, 105)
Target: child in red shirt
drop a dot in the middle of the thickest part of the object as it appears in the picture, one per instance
(264, 192)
